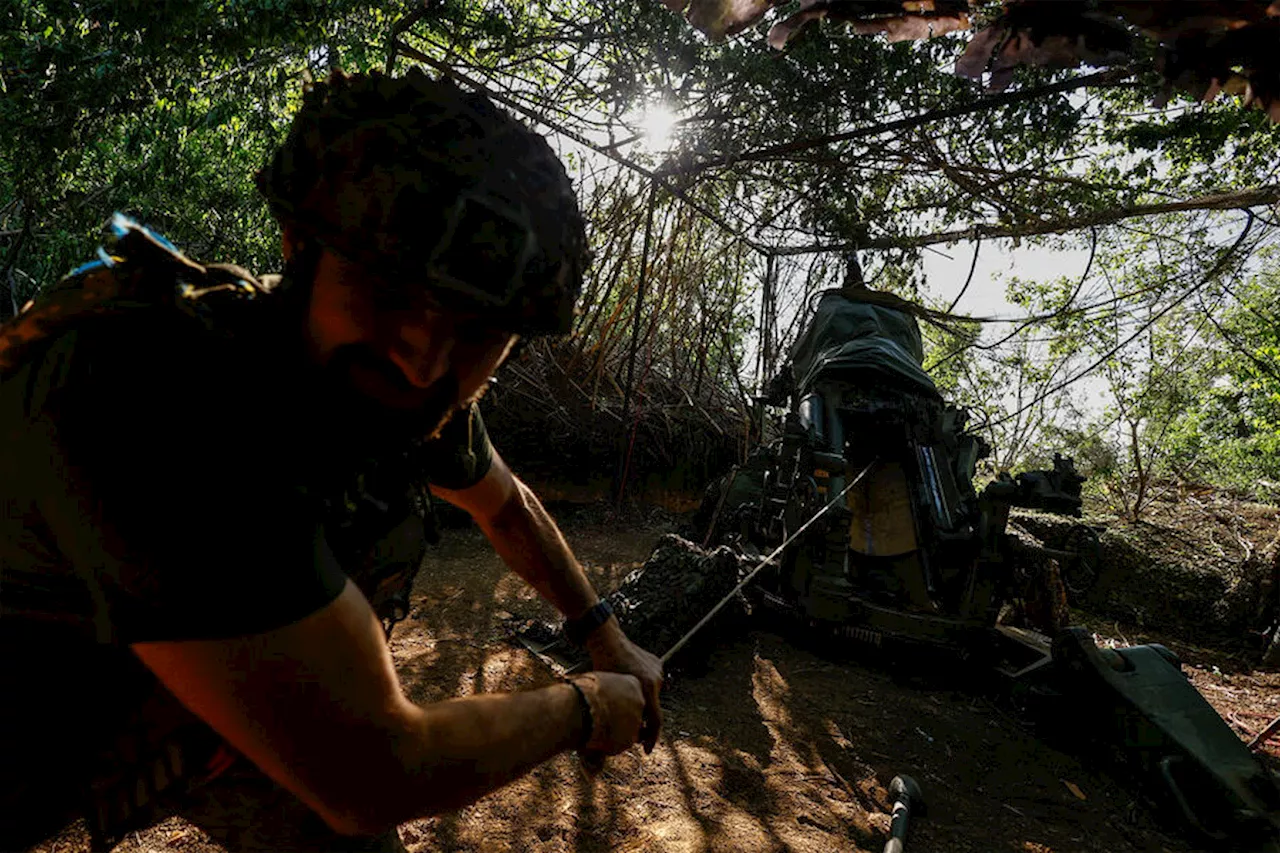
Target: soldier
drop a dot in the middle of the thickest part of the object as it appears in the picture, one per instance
(214, 486)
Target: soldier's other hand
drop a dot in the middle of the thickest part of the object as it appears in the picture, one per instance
(617, 710)
(611, 651)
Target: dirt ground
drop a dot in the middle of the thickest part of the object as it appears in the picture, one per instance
(768, 745)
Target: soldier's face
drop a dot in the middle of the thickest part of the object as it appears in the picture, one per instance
(396, 347)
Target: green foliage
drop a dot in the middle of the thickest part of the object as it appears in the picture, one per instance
(166, 110)
(1184, 379)
(1196, 145)
(162, 110)
(1231, 429)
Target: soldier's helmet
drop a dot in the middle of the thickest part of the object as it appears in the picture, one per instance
(425, 185)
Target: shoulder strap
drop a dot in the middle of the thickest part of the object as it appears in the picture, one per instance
(141, 270)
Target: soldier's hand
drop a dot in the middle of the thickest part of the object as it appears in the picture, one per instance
(617, 710)
(611, 651)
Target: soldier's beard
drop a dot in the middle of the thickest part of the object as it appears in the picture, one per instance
(395, 412)
(349, 414)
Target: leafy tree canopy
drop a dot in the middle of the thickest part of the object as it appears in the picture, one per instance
(166, 110)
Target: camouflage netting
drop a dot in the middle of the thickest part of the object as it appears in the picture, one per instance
(1041, 599)
(849, 339)
(661, 601)
(677, 586)
(1146, 577)
(1153, 578)
(374, 168)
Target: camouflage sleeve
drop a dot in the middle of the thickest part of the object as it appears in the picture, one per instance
(461, 455)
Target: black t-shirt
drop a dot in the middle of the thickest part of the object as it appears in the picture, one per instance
(162, 482)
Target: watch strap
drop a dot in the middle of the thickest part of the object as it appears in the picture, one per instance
(579, 628)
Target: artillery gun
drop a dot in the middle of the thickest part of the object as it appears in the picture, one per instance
(899, 549)
(913, 554)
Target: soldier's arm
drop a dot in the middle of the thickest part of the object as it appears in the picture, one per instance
(209, 564)
(525, 536)
(317, 705)
(530, 543)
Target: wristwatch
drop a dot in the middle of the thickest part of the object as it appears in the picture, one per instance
(580, 627)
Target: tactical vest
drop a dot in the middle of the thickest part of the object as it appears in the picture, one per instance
(142, 270)
(379, 520)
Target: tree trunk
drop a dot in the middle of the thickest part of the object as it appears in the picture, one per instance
(1135, 448)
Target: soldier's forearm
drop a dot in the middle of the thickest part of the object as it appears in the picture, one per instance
(447, 755)
(461, 749)
(530, 543)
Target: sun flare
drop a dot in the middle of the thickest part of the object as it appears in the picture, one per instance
(657, 125)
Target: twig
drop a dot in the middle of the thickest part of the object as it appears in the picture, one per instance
(1248, 732)
(1103, 78)
(858, 797)
(1264, 735)
(977, 246)
(1125, 639)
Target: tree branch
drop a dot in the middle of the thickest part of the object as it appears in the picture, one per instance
(1217, 268)
(653, 175)
(1103, 78)
(1238, 200)
(394, 45)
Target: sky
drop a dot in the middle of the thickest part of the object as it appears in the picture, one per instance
(997, 262)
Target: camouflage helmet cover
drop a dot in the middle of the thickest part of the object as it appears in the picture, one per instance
(429, 186)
